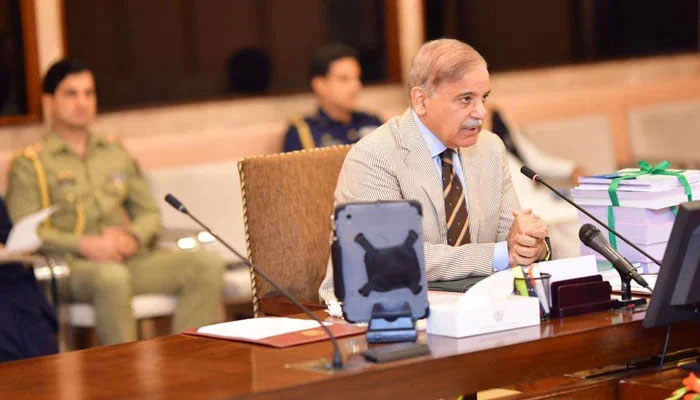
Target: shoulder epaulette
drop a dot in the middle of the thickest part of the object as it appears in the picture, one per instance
(32, 151)
(112, 138)
(304, 132)
(116, 141)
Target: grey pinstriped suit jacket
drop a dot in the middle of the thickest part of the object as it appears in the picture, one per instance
(394, 163)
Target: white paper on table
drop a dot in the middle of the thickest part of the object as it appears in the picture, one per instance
(568, 268)
(259, 328)
(23, 237)
(611, 275)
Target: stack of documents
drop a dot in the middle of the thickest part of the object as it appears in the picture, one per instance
(645, 215)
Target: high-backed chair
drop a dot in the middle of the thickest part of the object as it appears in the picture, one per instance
(287, 205)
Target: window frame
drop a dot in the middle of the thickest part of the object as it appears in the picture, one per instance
(31, 67)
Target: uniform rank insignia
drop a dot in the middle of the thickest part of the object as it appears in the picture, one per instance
(118, 179)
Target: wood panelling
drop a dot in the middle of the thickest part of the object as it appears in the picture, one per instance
(164, 51)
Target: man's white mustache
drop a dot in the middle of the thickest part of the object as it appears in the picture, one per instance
(472, 123)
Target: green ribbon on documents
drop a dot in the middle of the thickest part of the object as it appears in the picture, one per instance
(644, 169)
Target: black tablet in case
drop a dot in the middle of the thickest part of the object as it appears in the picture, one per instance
(377, 255)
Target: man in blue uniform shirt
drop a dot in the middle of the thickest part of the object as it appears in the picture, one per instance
(335, 79)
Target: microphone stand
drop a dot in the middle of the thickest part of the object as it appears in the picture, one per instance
(337, 362)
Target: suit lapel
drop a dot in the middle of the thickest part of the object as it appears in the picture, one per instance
(471, 164)
(420, 164)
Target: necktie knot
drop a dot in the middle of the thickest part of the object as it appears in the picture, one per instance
(446, 156)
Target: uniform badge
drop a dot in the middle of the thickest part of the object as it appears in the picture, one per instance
(66, 183)
(118, 179)
(117, 184)
(66, 178)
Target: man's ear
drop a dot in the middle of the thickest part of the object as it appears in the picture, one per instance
(418, 98)
(47, 105)
(318, 84)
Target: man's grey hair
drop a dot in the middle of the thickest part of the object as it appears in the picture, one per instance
(442, 60)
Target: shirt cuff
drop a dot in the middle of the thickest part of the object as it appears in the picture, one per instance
(500, 256)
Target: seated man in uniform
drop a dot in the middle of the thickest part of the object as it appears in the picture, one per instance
(335, 79)
(437, 154)
(106, 219)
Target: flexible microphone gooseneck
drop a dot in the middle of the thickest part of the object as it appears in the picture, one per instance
(591, 237)
(337, 362)
(532, 175)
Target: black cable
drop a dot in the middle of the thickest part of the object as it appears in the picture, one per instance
(663, 355)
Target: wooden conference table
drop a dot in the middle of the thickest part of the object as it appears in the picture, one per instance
(182, 366)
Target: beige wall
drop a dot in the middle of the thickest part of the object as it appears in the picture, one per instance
(619, 94)
(203, 132)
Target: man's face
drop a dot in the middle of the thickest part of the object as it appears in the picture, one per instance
(74, 103)
(456, 112)
(339, 88)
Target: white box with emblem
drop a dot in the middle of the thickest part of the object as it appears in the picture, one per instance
(487, 307)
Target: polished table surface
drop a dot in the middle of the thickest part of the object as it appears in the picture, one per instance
(652, 386)
(182, 366)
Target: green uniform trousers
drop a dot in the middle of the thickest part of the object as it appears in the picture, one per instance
(194, 277)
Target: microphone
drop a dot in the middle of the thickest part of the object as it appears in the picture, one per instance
(532, 175)
(337, 362)
(591, 237)
(176, 204)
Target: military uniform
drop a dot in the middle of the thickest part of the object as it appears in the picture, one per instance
(100, 190)
(320, 129)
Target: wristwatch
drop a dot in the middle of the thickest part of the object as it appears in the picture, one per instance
(548, 249)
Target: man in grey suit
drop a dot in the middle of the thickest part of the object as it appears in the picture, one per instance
(437, 153)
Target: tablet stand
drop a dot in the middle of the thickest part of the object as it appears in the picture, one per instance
(391, 323)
